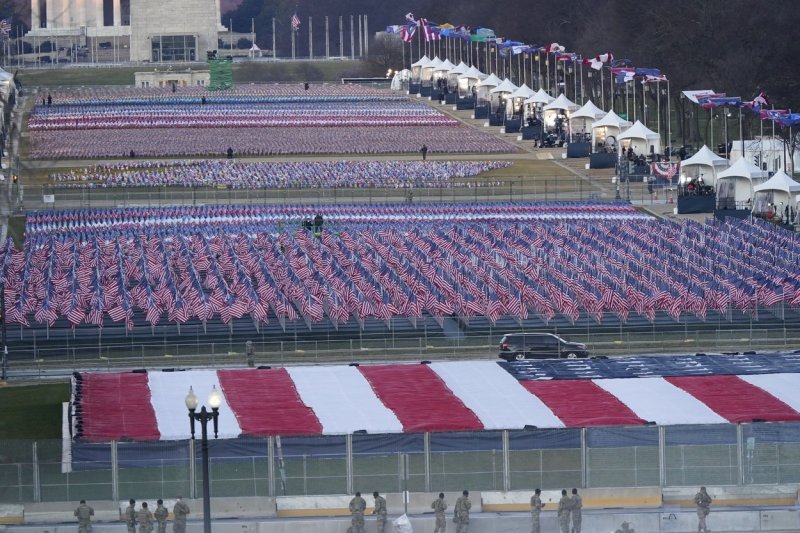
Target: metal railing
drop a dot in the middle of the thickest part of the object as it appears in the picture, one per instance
(720, 454)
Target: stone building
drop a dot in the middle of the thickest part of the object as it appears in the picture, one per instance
(150, 30)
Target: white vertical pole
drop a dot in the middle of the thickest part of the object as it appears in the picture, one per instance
(310, 41)
(352, 40)
(341, 36)
(274, 47)
(327, 39)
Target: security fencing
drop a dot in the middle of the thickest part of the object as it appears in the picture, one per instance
(649, 455)
(568, 188)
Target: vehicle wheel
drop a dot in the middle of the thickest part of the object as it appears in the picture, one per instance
(572, 355)
(519, 357)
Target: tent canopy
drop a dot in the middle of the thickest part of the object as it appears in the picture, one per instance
(472, 73)
(507, 86)
(523, 91)
(562, 103)
(423, 61)
(779, 182)
(640, 139)
(491, 81)
(461, 68)
(705, 156)
(742, 169)
(541, 97)
(638, 131)
(589, 110)
(446, 65)
(612, 120)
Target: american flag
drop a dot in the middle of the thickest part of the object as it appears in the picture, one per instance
(295, 21)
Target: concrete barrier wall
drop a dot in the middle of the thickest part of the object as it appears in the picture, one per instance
(12, 513)
(750, 495)
(642, 497)
(594, 521)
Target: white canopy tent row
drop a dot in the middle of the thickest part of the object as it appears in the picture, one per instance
(735, 185)
(704, 164)
(605, 132)
(775, 195)
(580, 121)
(454, 73)
(534, 104)
(416, 68)
(426, 74)
(483, 87)
(560, 107)
(515, 101)
(640, 138)
(767, 152)
(440, 71)
(469, 79)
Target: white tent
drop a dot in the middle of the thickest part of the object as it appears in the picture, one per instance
(605, 131)
(255, 51)
(484, 86)
(499, 94)
(640, 138)
(766, 151)
(454, 73)
(426, 74)
(441, 71)
(416, 68)
(469, 79)
(561, 106)
(775, 194)
(514, 101)
(539, 99)
(705, 164)
(400, 78)
(735, 185)
(581, 120)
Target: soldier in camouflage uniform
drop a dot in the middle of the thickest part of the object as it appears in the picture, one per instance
(130, 516)
(380, 512)
(536, 510)
(357, 507)
(575, 506)
(145, 519)
(461, 512)
(161, 515)
(84, 514)
(439, 506)
(564, 506)
(703, 502)
(179, 513)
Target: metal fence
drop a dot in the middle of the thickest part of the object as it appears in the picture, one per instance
(724, 454)
(39, 353)
(522, 189)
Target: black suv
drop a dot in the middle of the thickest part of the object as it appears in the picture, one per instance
(539, 346)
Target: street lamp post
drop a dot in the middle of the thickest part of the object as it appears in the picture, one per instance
(214, 401)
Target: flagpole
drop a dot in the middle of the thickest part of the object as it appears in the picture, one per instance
(352, 40)
(294, 37)
(274, 47)
(669, 122)
(328, 41)
(741, 136)
(341, 36)
(310, 41)
(602, 90)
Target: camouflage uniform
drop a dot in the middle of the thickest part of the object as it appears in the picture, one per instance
(439, 506)
(461, 510)
(357, 506)
(130, 517)
(161, 515)
(380, 513)
(576, 506)
(564, 505)
(84, 515)
(145, 519)
(536, 510)
(179, 513)
(703, 502)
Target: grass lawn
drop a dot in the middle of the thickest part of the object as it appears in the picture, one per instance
(32, 412)
(245, 72)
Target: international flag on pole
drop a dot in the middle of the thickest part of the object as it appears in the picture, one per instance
(5, 27)
(295, 21)
(407, 34)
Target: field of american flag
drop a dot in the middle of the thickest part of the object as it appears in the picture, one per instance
(102, 276)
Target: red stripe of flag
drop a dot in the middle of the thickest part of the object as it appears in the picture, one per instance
(420, 399)
(266, 402)
(116, 407)
(581, 403)
(735, 399)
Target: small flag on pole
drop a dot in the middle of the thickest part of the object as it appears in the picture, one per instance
(5, 27)
(295, 22)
